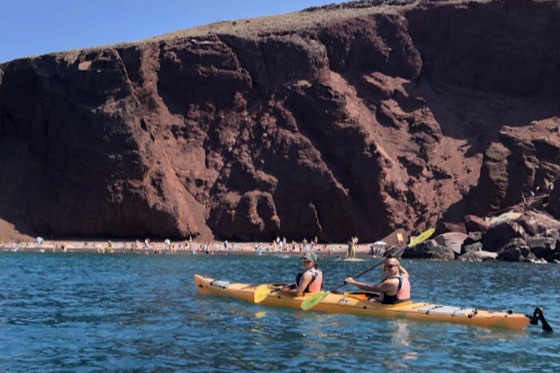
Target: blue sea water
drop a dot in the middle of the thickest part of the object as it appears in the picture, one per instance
(142, 313)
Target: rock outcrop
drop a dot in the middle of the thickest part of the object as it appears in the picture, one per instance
(347, 120)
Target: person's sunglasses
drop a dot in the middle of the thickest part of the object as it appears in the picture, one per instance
(306, 261)
(389, 266)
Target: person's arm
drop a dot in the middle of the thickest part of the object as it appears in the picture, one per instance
(363, 285)
(403, 272)
(298, 290)
(387, 287)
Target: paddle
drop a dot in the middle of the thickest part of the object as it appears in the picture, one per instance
(263, 291)
(315, 299)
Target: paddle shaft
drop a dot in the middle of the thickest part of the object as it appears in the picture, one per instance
(422, 237)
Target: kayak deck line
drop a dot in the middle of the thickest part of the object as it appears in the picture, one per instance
(360, 303)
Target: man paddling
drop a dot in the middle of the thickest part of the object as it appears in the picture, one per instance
(394, 288)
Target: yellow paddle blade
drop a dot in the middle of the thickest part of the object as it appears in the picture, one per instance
(422, 237)
(313, 300)
(261, 292)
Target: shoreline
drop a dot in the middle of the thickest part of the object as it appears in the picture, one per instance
(186, 248)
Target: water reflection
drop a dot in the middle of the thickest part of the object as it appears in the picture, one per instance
(402, 345)
(401, 334)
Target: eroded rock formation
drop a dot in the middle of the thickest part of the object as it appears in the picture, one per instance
(346, 120)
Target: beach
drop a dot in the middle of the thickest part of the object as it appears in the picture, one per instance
(186, 247)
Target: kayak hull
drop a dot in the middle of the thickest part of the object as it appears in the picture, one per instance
(357, 303)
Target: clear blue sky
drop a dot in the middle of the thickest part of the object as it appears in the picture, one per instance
(35, 27)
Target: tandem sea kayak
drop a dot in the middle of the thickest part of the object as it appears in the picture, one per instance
(359, 303)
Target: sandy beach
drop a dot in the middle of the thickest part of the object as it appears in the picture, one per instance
(11, 240)
(183, 247)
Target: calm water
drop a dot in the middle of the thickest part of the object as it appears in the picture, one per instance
(97, 313)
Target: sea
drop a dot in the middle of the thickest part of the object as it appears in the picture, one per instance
(87, 312)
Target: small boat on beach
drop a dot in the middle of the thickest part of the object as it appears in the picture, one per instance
(362, 303)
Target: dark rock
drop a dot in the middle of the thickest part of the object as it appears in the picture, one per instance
(451, 240)
(429, 250)
(478, 256)
(543, 247)
(452, 227)
(501, 234)
(515, 251)
(474, 223)
(476, 246)
(554, 198)
(539, 223)
(474, 237)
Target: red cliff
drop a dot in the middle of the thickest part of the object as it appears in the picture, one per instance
(351, 119)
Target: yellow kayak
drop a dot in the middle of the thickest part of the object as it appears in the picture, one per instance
(358, 303)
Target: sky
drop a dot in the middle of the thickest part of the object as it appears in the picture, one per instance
(36, 27)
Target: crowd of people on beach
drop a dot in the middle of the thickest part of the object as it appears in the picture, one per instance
(190, 246)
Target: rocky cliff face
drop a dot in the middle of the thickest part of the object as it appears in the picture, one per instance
(346, 120)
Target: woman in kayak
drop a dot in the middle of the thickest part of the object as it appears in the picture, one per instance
(394, 288)
(308, 281)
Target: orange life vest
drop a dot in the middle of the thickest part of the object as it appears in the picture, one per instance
(403, 291)
(316, 283)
